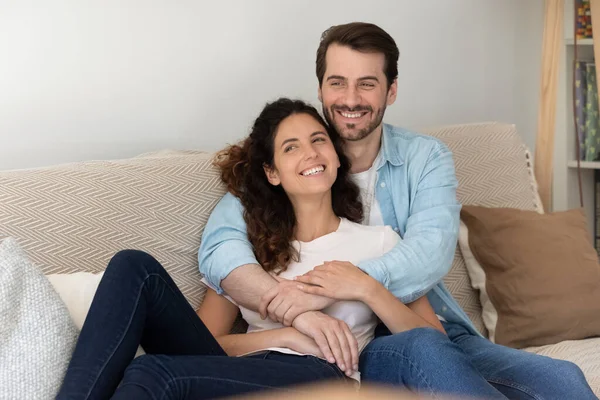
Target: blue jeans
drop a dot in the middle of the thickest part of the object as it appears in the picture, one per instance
(428, 362)
(136, 303)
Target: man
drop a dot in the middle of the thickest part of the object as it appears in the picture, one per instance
(407, 181)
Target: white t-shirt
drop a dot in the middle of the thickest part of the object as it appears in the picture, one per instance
(366, 183)
(350, 242)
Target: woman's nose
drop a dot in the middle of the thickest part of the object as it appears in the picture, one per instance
(310, 153)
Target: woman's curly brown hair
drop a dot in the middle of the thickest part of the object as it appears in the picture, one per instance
(268, 212)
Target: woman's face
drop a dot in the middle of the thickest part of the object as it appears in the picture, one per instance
(305, 161)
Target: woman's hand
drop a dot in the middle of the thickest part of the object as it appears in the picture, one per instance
(332, 336)
(339, 280)
(297, 341)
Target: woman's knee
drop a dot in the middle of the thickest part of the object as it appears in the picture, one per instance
(148, 372)
(132, 262)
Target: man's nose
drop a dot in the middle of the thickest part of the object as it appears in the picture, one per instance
(352, 97)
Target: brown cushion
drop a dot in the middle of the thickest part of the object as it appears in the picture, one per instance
(541, 273)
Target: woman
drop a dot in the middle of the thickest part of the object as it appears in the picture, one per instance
(291, 156)
(301, 209)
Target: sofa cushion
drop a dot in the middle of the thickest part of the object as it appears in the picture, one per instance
(542, 276)
(494, 169)
(77, 291)
(74, 217)
(584, 353)
(37, 335)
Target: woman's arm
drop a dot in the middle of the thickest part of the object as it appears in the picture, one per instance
(219, 314)
(344, 281)
(399, 317)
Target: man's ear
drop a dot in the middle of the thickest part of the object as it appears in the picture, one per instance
(392, 92)
(272, 175)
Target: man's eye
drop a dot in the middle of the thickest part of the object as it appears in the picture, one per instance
(368, 85)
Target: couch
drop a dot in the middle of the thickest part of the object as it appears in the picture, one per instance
(74, 217)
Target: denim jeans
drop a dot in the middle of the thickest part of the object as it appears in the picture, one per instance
(428, 362)
(136, 303)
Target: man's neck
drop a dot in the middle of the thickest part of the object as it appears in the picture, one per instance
(314, 218)
(363, 153)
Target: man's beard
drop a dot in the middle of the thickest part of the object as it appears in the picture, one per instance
(359, 135)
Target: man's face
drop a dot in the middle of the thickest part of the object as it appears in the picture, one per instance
(354, 92)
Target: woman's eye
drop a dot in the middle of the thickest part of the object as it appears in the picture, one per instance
(320, 139)
(289, 148)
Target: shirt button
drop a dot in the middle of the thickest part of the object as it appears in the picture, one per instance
(396, 229)
(382, 184)
(444, 308)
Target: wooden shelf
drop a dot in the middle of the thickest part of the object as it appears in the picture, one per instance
(584, 164)
(580, 42)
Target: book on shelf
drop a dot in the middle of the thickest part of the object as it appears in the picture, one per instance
(584, 20)
(587, 117)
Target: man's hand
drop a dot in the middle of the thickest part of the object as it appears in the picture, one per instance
(340, 280)
(334, 338)
(284, 302)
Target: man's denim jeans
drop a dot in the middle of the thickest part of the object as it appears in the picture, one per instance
(138, 303)
(428, 362)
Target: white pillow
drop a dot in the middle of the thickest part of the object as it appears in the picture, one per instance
(476, 273)
(37, 335)
(77, 291)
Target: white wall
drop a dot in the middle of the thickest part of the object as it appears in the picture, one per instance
(87, 79)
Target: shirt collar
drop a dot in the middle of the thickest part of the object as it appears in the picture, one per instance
(390, 151)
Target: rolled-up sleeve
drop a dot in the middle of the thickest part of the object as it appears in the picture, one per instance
(225, 245)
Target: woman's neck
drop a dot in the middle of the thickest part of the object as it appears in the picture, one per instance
(314, 218)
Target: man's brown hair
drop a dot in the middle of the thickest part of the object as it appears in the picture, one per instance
(363, 37)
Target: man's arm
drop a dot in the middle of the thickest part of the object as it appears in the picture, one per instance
(227, 261)
(424, 256)
(226, 258)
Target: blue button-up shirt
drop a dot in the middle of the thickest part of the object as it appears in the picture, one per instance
(416, 190)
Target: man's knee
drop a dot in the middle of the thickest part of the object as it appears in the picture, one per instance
(566, 372)
(396, 357)
(420, 342)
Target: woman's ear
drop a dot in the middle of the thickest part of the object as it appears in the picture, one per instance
(272, 175)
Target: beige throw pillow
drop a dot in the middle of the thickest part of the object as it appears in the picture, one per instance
(538, 274)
